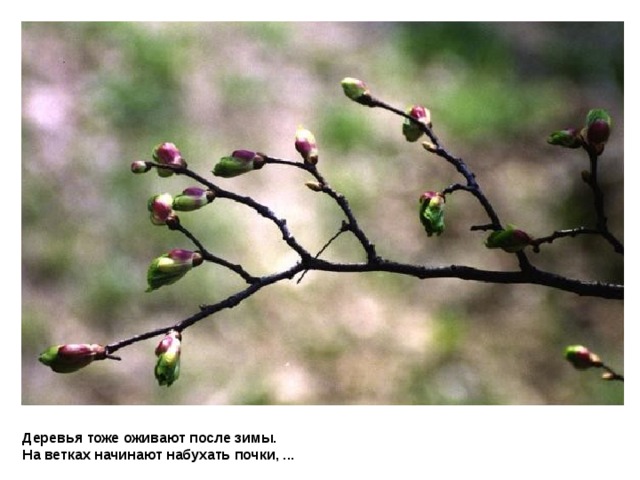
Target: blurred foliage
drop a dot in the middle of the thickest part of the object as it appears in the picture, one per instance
(97, 96)
(148, 97)
(344, 129)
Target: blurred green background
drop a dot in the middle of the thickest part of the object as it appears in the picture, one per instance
(97, 96)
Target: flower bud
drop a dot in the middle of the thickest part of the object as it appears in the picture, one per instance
(356, 90)
(598, 129)
(410, 130)
(305, 144)
(432, 212)
(240, 161)
(314, 186)
(581, 358)
(192, 198)
(430, 147)
(569, 138)
(167, 369)
(140, 166)
(171, 267)
(510, 240)
(598, 125)
(161, 208)
(168, 154)
(71, 357)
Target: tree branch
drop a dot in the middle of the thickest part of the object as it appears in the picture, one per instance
(245, 161)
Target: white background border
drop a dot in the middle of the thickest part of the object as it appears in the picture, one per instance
(377, 442)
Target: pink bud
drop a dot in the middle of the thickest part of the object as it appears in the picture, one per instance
(305, 143)
(72, 357)
(161, 208)
(168, 154)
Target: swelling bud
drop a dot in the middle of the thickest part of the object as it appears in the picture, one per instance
(239, 162)
(71, 357)
(510, 240)
(171, 267)
(356, 90)
(568, 138)
(167, 369)
(598, 129)
(305, 144)
(192, 198)
(411, 131)
(140, 166)
(168, 154)
(161, 208)
(432, 212)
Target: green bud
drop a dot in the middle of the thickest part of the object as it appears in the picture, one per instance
(581, 358)
(356, 90)
(569, 138)
(510, 240)
(171, 267)
(410, 130)
(239, 162)
(167, 369)
(192, 198)
(305, 143)
(71, 357)
(432, 212)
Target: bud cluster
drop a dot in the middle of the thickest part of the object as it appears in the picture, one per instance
(164, 154)
(162, 206)
(594, 134)
(175, 264)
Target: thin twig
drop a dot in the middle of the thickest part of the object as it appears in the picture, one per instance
(343, 228)
(527, 274)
